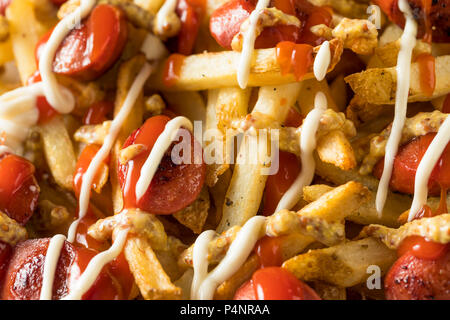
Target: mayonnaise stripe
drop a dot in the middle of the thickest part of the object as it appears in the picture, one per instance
(307, 147)
(157, 153)
(104, 151)
(96, 265)
(407, 44)
(426, 166)
(322, 61)
(248, 44)
(200, 260)
(50, 264)
(236, 255)
(60, 98)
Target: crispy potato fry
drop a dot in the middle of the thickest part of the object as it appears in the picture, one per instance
(344, 265)
(10, 231)
(336, 149)
(152, 280)
(195, 111)
(59, 151)
(307, 95)
(386, 56)
(378, 85)
(25, 31)
(6, 53)
(194, 216)
(248, 181)
(348, 8)
(227, 289)
(436, 229)
(196, 73)
(395, 203)
(127, 73)
(329, 292)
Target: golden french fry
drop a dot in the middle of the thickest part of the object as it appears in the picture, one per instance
(127, 74)
(436, 229)
(194, 216)
(248, 181)
(150, 277)
(25, 31)
(344, 265)
(378, 85)
(196, 72)
(59, 151)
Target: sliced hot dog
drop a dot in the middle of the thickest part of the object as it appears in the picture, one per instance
(412, 278)
(88, 51)
(408, 159)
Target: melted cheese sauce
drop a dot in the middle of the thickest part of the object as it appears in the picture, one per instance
(236, 255)
(248, 44)
(426, 166)
(408, 42)
(163, 143)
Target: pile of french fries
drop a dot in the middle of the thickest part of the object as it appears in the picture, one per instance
(333, 234)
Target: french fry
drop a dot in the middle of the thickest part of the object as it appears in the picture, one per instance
(386, 56)
(227, 289)
(127, 74)
(336, 149)
(10, 231)
(395, 203)
(378, 85)
(196, 110)
(308, 92)
(436, 229)
(344, 265)
(329, 292)
(348, 8)
(6, 53)
(194, 216)
(59, 152)
(196, 72)
(152, 280)
(25, 31)
(247, 183)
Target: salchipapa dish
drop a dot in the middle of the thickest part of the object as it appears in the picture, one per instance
(224, 149)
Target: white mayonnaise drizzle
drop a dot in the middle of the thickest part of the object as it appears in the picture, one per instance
(426, 166)
(96, 265)
(248, 44)
(104, 151)
(236, 255)
(307, 147)
(60, 98)
(308, 134)
(407, 44)
(50, 264)
(322, 61)
(200, 256)
(18, 114)
(162, 18)
(159, 148)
